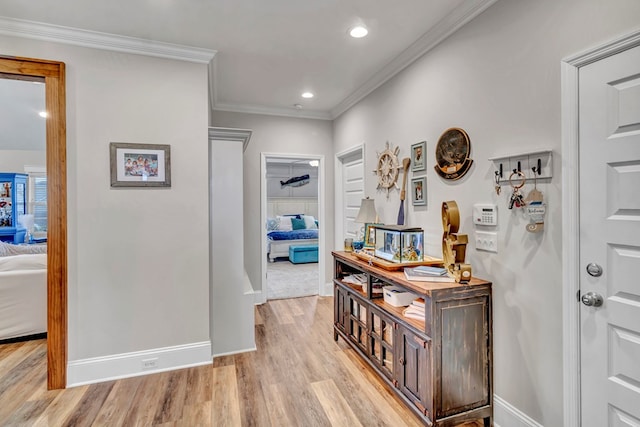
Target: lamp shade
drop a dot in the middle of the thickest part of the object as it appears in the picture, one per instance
(26, 221)
(367, 212)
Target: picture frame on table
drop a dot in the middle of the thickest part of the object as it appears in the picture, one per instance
(370, 235)
(140, 165)
(419, 156)
(419, 191)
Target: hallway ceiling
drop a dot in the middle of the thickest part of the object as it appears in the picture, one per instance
(269, 52)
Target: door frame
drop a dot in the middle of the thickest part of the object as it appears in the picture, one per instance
(53, 73)
(571, 216)
(263, 219)
(339, 190)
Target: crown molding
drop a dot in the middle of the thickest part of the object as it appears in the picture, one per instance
(92, 39)
(447, 26)
(230, 134)
(273, 111)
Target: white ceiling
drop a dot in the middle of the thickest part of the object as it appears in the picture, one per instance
(269, 52)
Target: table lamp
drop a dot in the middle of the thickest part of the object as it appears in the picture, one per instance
(366, 214)
(27, 221)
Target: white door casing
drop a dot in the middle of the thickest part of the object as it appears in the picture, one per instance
(261, 297)
(353, 185)
(609, 113)
(349, 192)
(572, 270)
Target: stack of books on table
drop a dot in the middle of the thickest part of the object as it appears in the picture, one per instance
(425, 273)
(359, 279)
(415, 310)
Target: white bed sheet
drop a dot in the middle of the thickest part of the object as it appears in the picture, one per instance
(23, 295)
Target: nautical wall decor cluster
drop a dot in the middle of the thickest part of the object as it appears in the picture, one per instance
(452, 154)
(388, 168)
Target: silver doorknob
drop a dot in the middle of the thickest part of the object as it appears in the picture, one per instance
(592, 299)
(594, 269)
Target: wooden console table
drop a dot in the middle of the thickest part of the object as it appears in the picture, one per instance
(440, 366)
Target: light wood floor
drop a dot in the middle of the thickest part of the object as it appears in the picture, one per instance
(298, 377)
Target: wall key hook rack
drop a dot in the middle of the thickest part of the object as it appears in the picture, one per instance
(536, 164)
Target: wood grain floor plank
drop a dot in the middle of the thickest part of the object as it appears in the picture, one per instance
(299, 376)
(388, 408)
(170, 409)
(21, 382)
(198, 414)
(278, 406)
(226, 407)
(14, 353)
(334, 404)
(118, 402)
(147, 398)
(282, 311)
(89, 405)
(297, 306)
(250, 390)
(258, 317)
(61, 408)
(199, 385)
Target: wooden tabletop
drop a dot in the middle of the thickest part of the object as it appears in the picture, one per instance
(398, 277)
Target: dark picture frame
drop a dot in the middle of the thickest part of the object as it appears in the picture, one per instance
(419, 191)
(140, 165)
(419, 156)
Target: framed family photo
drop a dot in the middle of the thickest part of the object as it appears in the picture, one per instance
(370, 235)
(419, 191)
(140, 165)
(418, 156)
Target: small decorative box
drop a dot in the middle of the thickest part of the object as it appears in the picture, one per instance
(397, 297)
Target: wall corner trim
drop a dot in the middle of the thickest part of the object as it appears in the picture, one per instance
(93, 39)
(507, 415)
(125, 365)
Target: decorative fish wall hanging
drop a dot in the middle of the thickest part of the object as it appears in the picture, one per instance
(296, 181)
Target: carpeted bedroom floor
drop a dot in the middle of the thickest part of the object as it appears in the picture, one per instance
(287, 280)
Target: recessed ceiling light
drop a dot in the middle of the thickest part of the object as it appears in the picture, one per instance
(307, 95)
(43, 114)
(358, 32)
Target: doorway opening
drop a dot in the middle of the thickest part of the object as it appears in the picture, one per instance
(292, 231)
(53, 74)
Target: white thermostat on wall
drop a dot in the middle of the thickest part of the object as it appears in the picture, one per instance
(485, 214)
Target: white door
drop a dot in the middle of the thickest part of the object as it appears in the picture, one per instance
(609, 93)
(353, 192)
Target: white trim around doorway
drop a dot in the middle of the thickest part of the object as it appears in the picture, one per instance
(261, 297)
(571, 217)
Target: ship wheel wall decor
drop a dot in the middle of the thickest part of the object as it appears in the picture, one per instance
(388, 168)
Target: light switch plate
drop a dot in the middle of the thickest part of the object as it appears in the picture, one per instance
(487, 241)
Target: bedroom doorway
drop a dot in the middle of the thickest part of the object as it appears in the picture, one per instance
(292, 227)
(52, 74)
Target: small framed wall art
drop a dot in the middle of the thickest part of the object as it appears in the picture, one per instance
(419, 191)
(418, 156)
(140, 165)
(370, 235)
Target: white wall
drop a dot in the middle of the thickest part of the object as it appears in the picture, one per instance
(138, 259)
(232, 321)
(499, 79)
(281, 135)
(16, 160)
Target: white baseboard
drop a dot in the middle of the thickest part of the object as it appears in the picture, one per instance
(507, 415)
(125, 365)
